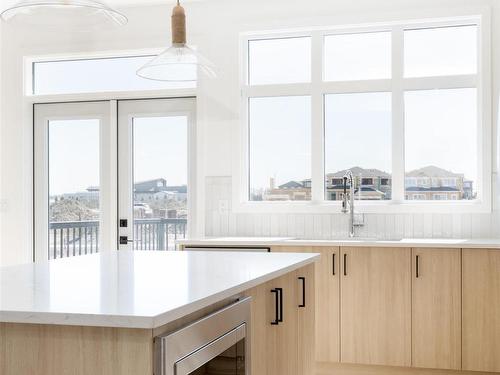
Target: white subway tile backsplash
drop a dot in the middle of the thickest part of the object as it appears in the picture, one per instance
(325, 226)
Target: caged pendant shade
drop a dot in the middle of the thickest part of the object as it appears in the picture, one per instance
(179, 63)
(80, 15)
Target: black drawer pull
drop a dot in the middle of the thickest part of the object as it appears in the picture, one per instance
(280, 290)
(345, 264)
(417, 266)
(276, 320)
(303, 279)
(333, 264)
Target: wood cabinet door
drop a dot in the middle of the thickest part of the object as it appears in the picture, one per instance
(328, 305)
(306, 320)
(263, 336)
(481, 310)
(303, 309)
(376, 306)
(286, 331)
(436, 308)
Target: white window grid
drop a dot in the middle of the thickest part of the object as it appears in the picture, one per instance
(397, 85)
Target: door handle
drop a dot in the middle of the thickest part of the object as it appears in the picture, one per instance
(303, 279)
(345, 264)
(276, 320)
(333, 264)
(280, 290)
(124, 240)
(417, 266)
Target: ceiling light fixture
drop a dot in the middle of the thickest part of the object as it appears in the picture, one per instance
(179, 63)
(80, 15)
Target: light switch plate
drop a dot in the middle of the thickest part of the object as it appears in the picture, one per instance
(223, 206)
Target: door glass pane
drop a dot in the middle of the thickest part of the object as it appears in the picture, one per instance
(358, 136)
(280, 148)
(160, 170)
(441, 144)
(351, 57)
(73, 187)
(441, 51)
(273, 61)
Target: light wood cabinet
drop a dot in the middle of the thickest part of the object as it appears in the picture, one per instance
(327, 301)
(306, 320)
(328, 305)
(372, 309)
(286, 348)
(299, 302)
(287, 329)
(376, 306)
(436, 308)
(263, 339)
(481, 310)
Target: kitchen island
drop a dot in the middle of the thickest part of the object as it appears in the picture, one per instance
(100, 314)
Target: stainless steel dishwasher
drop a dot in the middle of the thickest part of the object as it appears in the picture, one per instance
(216, 344)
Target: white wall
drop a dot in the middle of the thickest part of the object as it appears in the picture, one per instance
(214, 26)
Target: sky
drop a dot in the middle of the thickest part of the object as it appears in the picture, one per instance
(73, 155)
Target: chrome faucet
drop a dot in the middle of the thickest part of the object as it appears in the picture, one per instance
(349, 201)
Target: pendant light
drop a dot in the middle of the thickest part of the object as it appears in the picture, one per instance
(179, 63)
(79, 15)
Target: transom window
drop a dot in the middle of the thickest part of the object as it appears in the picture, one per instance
(399, 105)
(92, 75)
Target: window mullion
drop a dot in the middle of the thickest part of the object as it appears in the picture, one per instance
(317, 132)
(398, 139)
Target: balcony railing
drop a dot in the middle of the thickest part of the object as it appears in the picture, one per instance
(71, 238)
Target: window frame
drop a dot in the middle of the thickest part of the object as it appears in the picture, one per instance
(397, 85)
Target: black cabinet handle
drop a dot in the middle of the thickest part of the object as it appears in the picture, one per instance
(345, 264)
(417, 266)
(276, 320)
(280, 290)
(333, 264)
(303, 279)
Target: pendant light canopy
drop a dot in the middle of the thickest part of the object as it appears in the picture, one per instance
(80, 15)
(179, 63)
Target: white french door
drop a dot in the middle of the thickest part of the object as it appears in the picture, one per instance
(156, 172)
(111, 170)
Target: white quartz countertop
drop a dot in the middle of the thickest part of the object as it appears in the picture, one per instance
(133, 289)
(285, 241)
